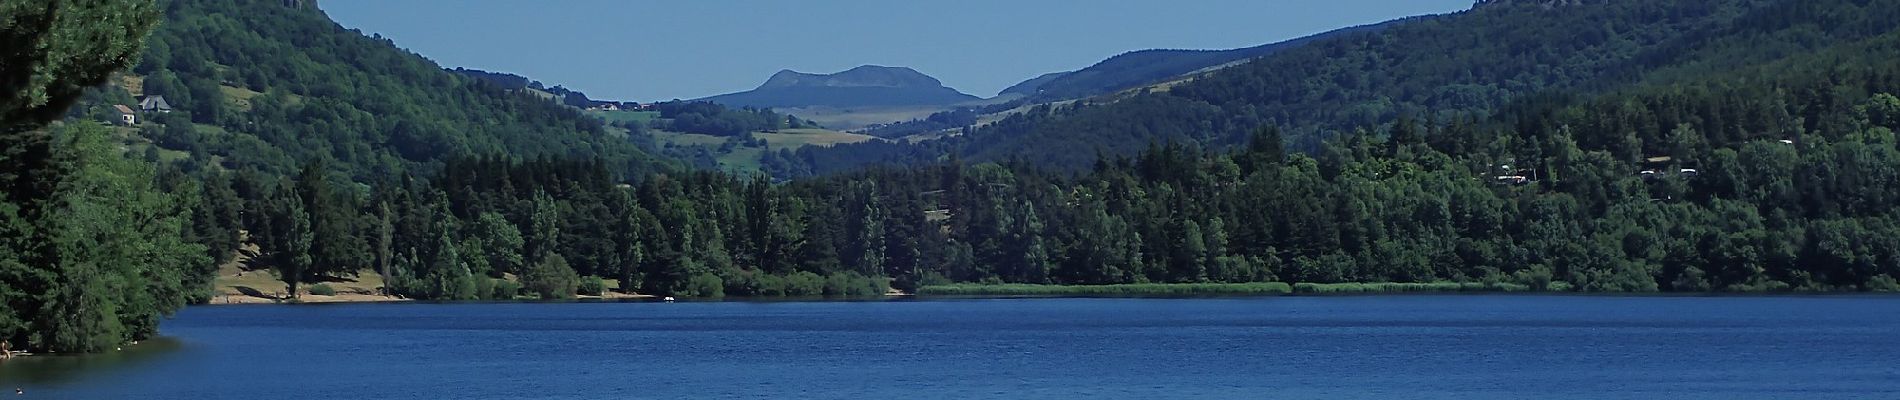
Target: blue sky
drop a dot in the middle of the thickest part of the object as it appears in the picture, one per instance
(658, 50)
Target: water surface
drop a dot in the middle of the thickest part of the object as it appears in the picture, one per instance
(1416, 347)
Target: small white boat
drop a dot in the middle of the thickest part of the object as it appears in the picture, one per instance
(668, 299)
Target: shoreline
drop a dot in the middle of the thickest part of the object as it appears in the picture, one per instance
(1127, 291)
(238, 298)
(1316, 290)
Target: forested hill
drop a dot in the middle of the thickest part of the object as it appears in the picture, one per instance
(1143, 67)
(269, 84)
(1431, 67)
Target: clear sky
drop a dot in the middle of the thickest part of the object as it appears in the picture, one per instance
(659, 50)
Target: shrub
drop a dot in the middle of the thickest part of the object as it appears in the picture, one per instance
(1538, 277)
(592, 286)
(322, 289)
(804, 284)
(484, 287)
(771, 285)
(551, 278)
(743, 283)
(1883, 283)
(705, 285)
(504, 289)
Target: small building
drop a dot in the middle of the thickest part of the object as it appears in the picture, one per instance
(1512, 180)
(155, 104)
(126, 116)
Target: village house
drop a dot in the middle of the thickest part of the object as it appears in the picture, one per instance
(155, 104)
(126, 116)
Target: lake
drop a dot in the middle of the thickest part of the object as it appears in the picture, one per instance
(1414, 347)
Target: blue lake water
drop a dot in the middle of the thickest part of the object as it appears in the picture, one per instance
(1413, 347)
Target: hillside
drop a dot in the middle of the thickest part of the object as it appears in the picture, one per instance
(1435, 67)
(269, 85)
(1137, 68)
(864, 86)
(1029, 87)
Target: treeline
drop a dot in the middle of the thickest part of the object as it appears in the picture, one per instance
(558, 228)
(937, 121)
(713, 119)
(1668, 189)
(563, 95)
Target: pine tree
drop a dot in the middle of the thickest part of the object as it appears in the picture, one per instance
(292, 250)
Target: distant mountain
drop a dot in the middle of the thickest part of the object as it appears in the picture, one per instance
(864, 86)
(1139, 68)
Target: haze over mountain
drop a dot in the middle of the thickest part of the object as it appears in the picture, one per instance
(868, 85)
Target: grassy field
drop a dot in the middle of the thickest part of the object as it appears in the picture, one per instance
(746, 159)
(687, 139)
(1184, 289)
(741, 160)
(237, 97)
(795, 138)
(624, 116)
(859, 117)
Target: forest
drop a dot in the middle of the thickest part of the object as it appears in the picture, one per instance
(269, 85)
(1700, 171)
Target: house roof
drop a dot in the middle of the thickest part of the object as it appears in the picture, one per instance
(155, 102)
(122, 108)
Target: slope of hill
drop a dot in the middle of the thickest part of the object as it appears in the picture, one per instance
(1431, 67)
(864, 86)
(269, 85)
(1137, 68)
(1030, 87)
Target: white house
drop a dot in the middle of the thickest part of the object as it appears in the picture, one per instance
(126, 116)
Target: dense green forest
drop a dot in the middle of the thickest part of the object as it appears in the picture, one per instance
(1604, 147)
(937, 121)
(1782, 184)
(713, 119)
(1434, 66)
(269, 85)
(1144, 67)
(92, 254)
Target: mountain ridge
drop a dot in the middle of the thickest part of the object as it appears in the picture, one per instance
(861, 86)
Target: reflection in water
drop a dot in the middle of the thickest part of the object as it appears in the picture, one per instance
(48, 369)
